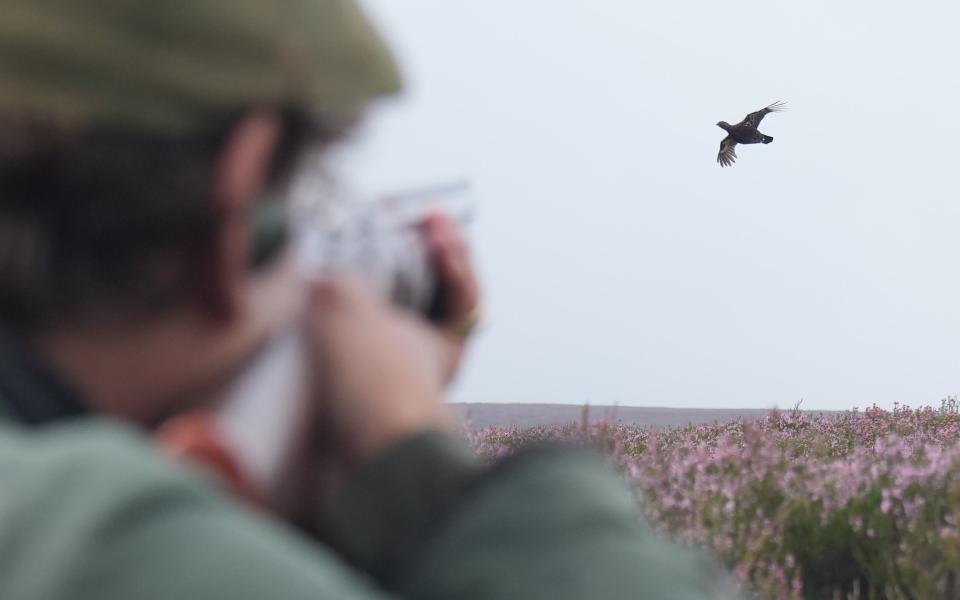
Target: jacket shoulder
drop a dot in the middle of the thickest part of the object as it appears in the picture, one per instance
(92, 460)
(67, 488)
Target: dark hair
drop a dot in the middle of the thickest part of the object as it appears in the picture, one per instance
(102, 219)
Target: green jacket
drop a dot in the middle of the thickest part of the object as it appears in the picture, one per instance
(89, 510)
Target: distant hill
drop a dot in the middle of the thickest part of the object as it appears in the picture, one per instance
(526, 415)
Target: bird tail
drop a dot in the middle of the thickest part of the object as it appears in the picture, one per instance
(767, 139)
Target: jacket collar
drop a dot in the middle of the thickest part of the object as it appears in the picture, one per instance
(30, 392)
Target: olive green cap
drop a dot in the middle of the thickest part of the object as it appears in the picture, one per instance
(172, 66)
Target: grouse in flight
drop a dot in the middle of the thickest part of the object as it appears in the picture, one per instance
(744, 132)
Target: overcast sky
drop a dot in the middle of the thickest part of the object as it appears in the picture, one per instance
(622, 264)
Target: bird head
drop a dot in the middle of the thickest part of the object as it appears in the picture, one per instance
(724, 125)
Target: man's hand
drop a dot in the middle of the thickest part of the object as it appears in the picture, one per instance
(460, 292)
(380, 372)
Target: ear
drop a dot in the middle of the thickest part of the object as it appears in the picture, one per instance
(239, 178)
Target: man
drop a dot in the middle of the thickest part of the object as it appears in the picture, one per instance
(140, 143)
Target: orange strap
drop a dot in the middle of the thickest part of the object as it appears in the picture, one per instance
(194, 437)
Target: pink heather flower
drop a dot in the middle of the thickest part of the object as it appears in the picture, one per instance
(738, 488)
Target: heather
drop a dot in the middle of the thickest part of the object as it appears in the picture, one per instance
(862, 504)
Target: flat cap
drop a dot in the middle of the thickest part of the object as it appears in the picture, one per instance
(170, 66)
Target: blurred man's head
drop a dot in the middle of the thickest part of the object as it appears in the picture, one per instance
(139, 142)
(114, 120)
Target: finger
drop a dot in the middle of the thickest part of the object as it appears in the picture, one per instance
(443, 235)
(451, 259)
(336, 301)
(339, 292)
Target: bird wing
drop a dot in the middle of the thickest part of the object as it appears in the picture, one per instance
(727, 156)
(754, 118)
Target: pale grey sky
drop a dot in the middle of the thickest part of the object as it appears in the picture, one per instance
(622, 264)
